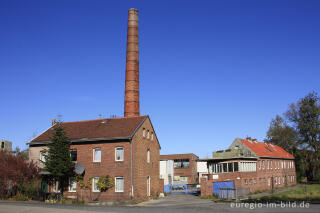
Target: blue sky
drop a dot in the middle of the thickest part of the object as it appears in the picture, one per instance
(210, 71)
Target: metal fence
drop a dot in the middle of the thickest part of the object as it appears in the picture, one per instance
(182, 189)
(233, 193)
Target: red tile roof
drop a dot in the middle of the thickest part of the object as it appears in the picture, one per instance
(267, 150)
(96, 129)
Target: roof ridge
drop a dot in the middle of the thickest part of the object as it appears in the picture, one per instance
(85, 120)
(97, 119)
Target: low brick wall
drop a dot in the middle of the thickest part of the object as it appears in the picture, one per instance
(253, 180)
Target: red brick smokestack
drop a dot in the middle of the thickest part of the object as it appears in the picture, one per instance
(131, 100)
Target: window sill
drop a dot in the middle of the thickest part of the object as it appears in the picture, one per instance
(119, 191)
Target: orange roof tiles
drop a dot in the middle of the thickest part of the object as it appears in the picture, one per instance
(267, 150)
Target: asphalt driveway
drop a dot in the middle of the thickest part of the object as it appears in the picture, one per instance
(171, 203)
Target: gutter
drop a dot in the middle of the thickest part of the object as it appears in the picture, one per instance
(83, 140)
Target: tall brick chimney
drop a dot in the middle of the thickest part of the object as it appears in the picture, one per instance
(131, 100)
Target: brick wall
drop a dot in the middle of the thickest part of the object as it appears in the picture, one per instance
(142, 169)
(107, 166)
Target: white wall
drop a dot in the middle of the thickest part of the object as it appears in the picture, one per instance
(202, 167)
(166, 171)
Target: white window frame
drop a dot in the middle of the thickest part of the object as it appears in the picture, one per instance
(259, 164)
(93, 184)
(263, 164)
(115, 183)
(148, 156)
(115, 153)
(152, 136)
(144, 132)
(148, 134)
(72, 179)
(93, 155)
(279, 180)
(43, 155)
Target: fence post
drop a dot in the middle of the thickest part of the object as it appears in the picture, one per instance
(236, 195)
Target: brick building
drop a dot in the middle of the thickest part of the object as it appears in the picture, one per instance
(125, 148)
(250, 164)
(184, 166)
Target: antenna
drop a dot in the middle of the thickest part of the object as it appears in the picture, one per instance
(59, 118)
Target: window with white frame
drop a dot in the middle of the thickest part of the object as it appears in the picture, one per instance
(43, 156)
(278, 164)
(271, 164)
(119, 184)
(263, 164)
(152, 136)
(95, 181)
(148, 134)
(119, 153)
(144, 132)
(275, 180)
(268, 162)
(259, 164)
(72, 184)
(279, 180)
(97, 155)
(148, 156)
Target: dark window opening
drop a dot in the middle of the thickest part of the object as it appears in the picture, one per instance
(236, 166)
(230, 167)
(181, 163)
(73, 154)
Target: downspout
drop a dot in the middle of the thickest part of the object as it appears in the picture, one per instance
(131, 178)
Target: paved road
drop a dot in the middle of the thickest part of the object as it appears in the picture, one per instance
(172, 203)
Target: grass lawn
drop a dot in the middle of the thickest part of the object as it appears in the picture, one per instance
(312, 194)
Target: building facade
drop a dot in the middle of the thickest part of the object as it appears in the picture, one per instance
(5, 145)
(250, 164)
(184, 167)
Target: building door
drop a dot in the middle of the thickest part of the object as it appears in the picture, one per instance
(148, 186)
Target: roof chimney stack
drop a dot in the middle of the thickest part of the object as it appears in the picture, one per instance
(53, 121)
(131, 100)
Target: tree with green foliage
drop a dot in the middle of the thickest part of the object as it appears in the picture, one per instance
(299, 133)
(58, 160)
(281, 134)
(305, 117)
